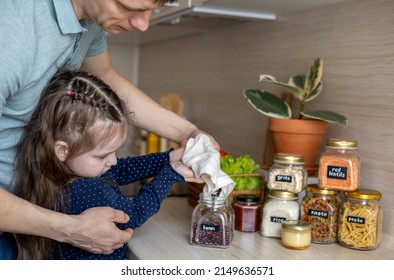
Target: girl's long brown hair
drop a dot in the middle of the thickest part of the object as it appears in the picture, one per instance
(69, 107)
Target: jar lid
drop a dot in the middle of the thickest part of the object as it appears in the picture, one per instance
(296, 225)
(341, 143)
(316, 189)
(282, 194)
(364, 194)
(289, 158)
(248, 198)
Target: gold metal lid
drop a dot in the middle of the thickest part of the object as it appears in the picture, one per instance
(341, 143)
(282, 194)
(364, 194)
(289, 158)
(296, 225)
(316, 189)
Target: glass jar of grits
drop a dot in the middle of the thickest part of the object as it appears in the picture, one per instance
(247, 212)
(212, 222)
(287, 173)
(360, 220)
(296, 234)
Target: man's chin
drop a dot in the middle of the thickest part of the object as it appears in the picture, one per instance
(116, 30)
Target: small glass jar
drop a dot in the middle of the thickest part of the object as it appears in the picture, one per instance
(340, 165)
(320, 208)
(212, 222)
(278, 207)
(287, 173)
(296, 234)
(247, 212)
(360, 220)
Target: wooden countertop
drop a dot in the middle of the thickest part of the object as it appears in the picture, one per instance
(166, 236)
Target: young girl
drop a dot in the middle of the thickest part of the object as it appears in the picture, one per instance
(66, 161)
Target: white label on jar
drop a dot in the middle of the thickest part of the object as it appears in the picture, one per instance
(356, 220)
(209, 228)
(318, 213)
(277, 219)
(283, 178)
(337, 172)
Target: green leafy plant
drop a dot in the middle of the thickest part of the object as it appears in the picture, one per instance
(303, 87)
(241, 165)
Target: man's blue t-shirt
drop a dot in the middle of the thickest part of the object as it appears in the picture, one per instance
(37, 38)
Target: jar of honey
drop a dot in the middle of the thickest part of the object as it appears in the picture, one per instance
(296, 234)
(247, 213)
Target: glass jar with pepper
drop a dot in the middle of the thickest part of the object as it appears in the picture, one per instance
(212, 222)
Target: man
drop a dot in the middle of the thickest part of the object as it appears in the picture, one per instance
(38, 37)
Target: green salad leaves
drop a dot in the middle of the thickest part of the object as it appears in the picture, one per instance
(242, 165)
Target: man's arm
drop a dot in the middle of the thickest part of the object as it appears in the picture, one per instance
(94, 230)
(148, 113)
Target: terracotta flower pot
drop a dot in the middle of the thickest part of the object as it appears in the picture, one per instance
(297, 136)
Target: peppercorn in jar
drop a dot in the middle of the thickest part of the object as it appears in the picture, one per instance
(287, 173)
(340, 166)
(320, 208)
(212, 222)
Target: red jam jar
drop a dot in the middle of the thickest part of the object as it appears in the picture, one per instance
(247, 213)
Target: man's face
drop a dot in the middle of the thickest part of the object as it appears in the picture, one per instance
(117, 16)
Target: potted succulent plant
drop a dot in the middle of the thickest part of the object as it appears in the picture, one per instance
(303, 88)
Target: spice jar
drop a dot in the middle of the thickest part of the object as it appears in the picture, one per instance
(320, 208)
(360, 220)
(247, 212)
(279, 206)
(212, 222)
(296, 234)
(287, 173)
(340, 165)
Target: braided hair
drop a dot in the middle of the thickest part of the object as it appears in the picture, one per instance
(79, 109)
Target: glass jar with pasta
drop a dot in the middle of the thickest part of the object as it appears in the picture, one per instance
(320, 208)
(360, 220)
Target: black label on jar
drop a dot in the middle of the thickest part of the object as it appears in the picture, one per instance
(337, 172)
(356, 220)
(283, 178)
(210, 227)
(277, 219)
(317, 213)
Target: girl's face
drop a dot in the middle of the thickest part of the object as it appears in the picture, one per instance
(96, 162)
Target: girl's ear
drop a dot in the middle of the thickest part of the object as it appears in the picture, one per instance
(61, 150)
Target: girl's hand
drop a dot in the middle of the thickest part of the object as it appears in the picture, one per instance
(186, 172)
(176, 155)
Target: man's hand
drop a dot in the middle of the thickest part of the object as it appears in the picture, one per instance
(94, 230)
(195, 133)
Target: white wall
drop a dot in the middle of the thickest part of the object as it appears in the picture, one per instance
(355, 39)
